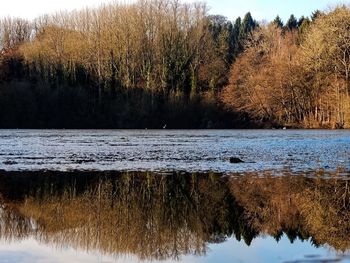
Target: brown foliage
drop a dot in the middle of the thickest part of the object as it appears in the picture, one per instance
(296, 78)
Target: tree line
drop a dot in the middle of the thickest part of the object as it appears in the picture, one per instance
(138, 65)
(296, 74)
(157, 62)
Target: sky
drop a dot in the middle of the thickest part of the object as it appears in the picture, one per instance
(260, 9)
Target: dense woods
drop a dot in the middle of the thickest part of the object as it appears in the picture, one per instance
(297, 74)
(164, 62)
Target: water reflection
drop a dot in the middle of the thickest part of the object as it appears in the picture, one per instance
(165, 216)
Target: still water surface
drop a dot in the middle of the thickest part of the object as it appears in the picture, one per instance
(186, 217)
(101, 196)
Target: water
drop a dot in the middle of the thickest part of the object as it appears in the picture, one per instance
(173, 196)
(186, 217)
(163, 150)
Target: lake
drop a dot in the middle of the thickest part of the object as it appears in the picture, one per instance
(164, 150)
(174, 196)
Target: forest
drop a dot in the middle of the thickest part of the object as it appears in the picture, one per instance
(165, 63)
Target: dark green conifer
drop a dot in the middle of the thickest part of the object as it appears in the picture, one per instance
(278, 22)
(292, 23)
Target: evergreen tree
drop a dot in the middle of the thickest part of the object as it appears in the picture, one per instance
(235, 37)
(301, 20)
(248, 25)
(217, 24)
(238, 33)
(304, 25)
(221, 30)
(278, 22)
(316, 14)
(292, 23)
(231, 43)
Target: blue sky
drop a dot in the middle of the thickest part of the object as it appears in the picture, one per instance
(268, 9)
(260, 9)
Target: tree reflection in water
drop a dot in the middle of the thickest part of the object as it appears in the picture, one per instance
(162, 216)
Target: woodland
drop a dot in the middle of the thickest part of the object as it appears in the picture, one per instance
(164, 63)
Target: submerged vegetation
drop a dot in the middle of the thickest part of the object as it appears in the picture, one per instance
(157, 62)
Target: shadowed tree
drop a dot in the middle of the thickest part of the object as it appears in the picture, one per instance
(278, 22)
(292, 23)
